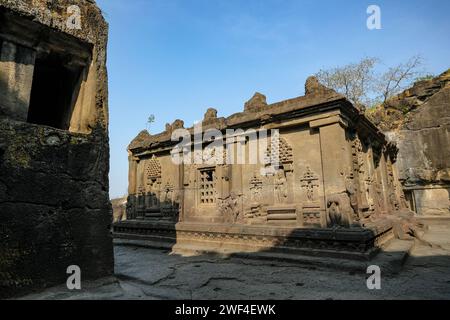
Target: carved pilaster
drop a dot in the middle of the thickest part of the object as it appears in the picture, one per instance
(132, 172)
(336, 158)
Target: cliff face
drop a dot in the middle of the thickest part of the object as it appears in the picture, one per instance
(54, 153)
(418, 120)
(119, 206)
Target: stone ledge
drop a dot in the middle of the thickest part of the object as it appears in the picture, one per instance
(433, 220)
(390, 258)
(357, 244)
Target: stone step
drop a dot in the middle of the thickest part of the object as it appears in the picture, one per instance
(393, 255)
(144, 243)
(390, 259)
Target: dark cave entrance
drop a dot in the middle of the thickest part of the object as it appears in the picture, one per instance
(55, 86)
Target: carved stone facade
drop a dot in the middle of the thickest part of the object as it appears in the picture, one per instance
(329, 169)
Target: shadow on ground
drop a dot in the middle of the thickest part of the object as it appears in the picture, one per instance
(143, 273)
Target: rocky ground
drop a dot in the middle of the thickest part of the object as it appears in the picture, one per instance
(143, 273)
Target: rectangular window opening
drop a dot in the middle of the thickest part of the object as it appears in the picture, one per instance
(54, 90)
(409, 195)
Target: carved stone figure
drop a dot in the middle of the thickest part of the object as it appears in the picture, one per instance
(154, 192)
(352, 193)
(339, 211)
(130, 206)
(369, 192)
(280, 184)
(255, 188)
(310, 181)
(229, 208)
(168, 193)
(393, 201)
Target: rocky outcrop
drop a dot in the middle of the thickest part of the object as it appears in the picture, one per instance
(54, 203)
(418, 120)
(119, 206)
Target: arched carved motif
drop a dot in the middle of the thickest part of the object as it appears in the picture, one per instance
(309, 182)
(282, 155)
(153, 169)
(256, 185)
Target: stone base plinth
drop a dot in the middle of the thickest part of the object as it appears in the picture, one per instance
(354, 243)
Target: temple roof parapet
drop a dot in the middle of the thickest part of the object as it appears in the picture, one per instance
(257, 112)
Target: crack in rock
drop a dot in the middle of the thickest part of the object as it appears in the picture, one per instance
(218, 279)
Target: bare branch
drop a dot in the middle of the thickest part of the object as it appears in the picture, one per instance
(361, 85)
(353, 80)
(396, 78)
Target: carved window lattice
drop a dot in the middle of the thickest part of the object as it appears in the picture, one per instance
(153, 169)
(207, 190)
(283, 151)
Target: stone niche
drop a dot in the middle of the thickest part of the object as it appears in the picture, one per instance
(54, 154)
(334, 191)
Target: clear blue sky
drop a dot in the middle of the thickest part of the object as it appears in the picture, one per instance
(176, 58)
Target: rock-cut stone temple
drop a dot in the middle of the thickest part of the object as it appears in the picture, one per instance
(334, 191)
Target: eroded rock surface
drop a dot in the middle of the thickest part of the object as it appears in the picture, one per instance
(54, 154)
(418, 120)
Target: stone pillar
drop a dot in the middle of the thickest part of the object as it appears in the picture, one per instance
(371, 176)
(236, 179)
(394, 186)
(16, 79)
(288, 169)
(191, 193)
(401, 198)
(336, 158)
(132, 189)
(132, 165)
(181, 183)
(140, 189)
(384, 182)
(223, 181)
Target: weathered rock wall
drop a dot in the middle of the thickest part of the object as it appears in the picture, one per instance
(418, 120)
(54, 202)
(119, 206)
